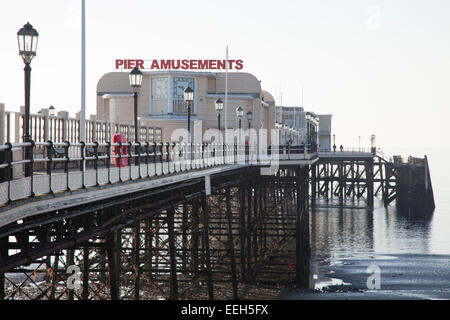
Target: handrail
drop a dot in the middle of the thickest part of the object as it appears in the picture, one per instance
(158, 157)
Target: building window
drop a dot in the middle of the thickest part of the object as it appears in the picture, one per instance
(151, 135)
(179, 84)
(160, 95)
(158, 134)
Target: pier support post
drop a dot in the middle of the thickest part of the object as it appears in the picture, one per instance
(137, 262)
(206, 209)
(149, 246)
(249, 228)
(195, 236)
(70, 262)
(184, 229)
(341, 182)
(85, 293)
(255, 223)
(3, 255)
(313, 184)
(301, 274)
(369, 181)
(231, 245)
(113, 259)
(173, 261)
(242, 230)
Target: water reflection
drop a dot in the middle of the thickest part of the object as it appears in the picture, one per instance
(338, 233)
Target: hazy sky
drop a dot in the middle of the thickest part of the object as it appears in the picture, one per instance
(380, 67)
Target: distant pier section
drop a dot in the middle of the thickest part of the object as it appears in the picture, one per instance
(414, 188)
(354, 177)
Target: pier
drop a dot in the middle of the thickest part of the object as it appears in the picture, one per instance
(353, 178)
(163, 227)
(177, 222)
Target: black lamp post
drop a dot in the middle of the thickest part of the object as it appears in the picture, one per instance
(136, 82)
(28, 39)
(219, 107)
(239, 114)
(249, 118)
(189, 98)
(52, 111)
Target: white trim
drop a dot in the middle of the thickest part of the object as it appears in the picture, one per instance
(150, 95)
(116, 95)
(195, 96)
(232, 97)
(170, 94)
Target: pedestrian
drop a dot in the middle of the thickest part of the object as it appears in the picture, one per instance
(342, 148)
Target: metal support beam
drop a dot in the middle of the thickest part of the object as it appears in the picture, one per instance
(206, 208)
(113, 258)
(173, 260)
(231, 245)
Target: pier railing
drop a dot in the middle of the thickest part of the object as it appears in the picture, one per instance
(57, 167)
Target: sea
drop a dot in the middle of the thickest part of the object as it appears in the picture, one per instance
(339, 235)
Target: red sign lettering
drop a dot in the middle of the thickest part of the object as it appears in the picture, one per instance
(176, 64)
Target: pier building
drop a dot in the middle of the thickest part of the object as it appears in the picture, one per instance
(161, 103)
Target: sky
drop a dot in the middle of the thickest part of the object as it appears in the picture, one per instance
(380, 66)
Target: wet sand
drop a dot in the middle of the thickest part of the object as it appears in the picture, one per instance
(402, 277)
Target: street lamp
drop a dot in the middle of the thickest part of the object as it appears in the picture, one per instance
(219, 107)
(189, 98)
(334, 142)
(52, 111)
(135, 77)
(249, 118)
(239, 114)
(28, 39)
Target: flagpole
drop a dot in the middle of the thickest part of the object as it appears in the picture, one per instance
(83, 74)
(226, 92)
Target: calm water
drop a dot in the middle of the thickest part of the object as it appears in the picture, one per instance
(358, 233)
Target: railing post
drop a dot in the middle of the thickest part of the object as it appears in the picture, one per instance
(168, 156)
(224, 153)
(17, 126)
(66, 163)
(137, 151)
(119, 153)
(130, 157)
(96, 162)
(9, 170)
(203, 154)
(108, 162)
(82, 162)
(162, 158)
(138, 157)
(154, 156)
(2, 123)
(49, 164)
